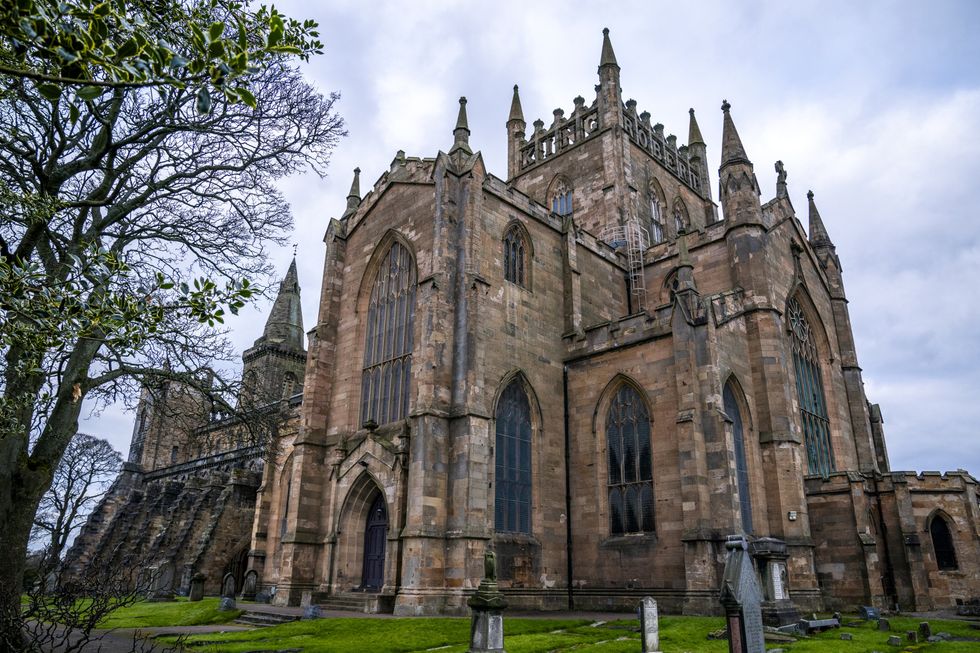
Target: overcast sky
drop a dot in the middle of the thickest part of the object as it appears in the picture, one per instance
(873, 105)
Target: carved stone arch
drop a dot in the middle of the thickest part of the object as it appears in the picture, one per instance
(532, 397)
(656, 189)
(942, 535)
(377, 257)
(605, 397)
(517, 254)
(740, 396)
(679, 216)
(559, 186)
(669, 287)
(352, 519)
(801, 294)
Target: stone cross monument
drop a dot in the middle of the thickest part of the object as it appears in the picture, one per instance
(487, 630)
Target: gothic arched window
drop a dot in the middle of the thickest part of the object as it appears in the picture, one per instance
(561, 198)
(389, 341)
(512, 461)
(630, 463)
(741, 460)
(942, 544)
(516, 254)
(656, 220)
(809, 390)
(680, 218)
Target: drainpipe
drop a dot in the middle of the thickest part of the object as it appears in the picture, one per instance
(568, 491)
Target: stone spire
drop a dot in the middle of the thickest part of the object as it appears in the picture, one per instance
(732, 150)
(608, 57)
(516, 112)
(818, 232)
(461, 134)
(353, 197)
(285, 324)
(694, 132)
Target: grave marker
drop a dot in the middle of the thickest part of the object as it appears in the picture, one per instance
(741, 597)
(649, 625)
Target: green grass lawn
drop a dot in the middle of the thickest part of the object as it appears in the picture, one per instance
(177, 613)
(678, 634)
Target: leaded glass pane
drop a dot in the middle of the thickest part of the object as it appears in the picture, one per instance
(809, 389)
(512, 493)
(630, 464)
(388, 339)
(741, 463)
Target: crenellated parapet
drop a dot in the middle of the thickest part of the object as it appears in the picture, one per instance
(563, 133)
(650, 138)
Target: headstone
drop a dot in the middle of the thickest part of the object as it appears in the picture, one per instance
(306, 599)
(228, 586)
(312, 612)
(846, 637)
(925, 630)
(197, 587)
(162, 582)
(263, 597)
(227, 603)
(249, 585)
(884, 625)
(771, 555)
(487, 626)
(869, 612)
(741, 597)
(912, 636)
(649, 625)
(894, 640)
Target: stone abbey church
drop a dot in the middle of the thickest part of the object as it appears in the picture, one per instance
(589, 367)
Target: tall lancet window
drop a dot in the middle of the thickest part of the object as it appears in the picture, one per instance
(656, 220)
(388, 345)
(630, 464)
(809, 389)
(741, 463)
(942, 544)
(561, 198)
(512, 461)
(515, 257)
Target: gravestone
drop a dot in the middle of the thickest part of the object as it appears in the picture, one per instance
(869, 612)
(197, 587)
(884, 625)
(162, 582)
(249, 585)
(925, 630)
(912, 636)
(741, 596)
(228, 586)
(649, 625)
(487, 626)
(227, 603)
(770, 556)
(894, 640)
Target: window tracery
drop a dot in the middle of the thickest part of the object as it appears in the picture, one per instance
(516, 253)
(656, 220)
(630, 464)
(512, 461)
(809, 389)
(388, 345)
(561, 198)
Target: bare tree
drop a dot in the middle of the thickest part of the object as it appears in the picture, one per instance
(82, 478)
(132, 214)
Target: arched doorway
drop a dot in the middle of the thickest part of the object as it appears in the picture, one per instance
(375, 538)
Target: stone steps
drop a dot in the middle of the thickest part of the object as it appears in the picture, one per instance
(348, 602)
(264, 619)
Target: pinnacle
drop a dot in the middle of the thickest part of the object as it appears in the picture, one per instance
(608, 57)
(694, 132)
(732, 150)
(462, 132)
(516, 112)
(818, 232)
(355, 186)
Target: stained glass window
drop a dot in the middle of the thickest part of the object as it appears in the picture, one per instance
(515, 257)
(388, 343)
(512, 458)
(741, 464)
(630, 464)
(809, 390)
(561, 199)
(942, 544)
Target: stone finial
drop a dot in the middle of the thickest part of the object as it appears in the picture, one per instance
(608, 57)
(355, 187)
(461, 134)
(694, 132)
(732, 150)
(516, 112)
(818, 232)
(781, 190)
